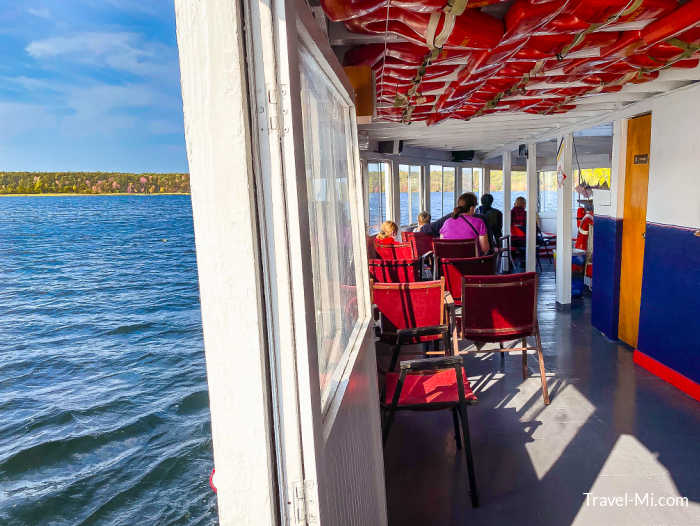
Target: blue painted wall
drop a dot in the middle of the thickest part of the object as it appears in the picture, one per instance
(669, 321)
(607, 247)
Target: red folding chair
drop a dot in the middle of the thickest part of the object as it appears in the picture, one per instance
(371, 246)
(453, 248)
(395, 270)
(395, 251)
(411, 313)
(452, 269)
(422, 242)
(422, 246)
(432, 384)
(497, 309)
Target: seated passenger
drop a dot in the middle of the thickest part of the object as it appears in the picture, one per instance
(463, 225)
(518, 215)
(492, 217)
(423, 223)
(434, 228)
(387, 233)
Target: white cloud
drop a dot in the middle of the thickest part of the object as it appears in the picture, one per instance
(121, 51)
(18, 118)
(40, 12)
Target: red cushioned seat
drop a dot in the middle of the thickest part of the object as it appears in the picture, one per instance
(432, 384)
(436, 388)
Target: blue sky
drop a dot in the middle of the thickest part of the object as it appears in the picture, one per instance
(90, 85)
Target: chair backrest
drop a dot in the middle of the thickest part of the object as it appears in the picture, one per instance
(371, 244)
(455, 248)
(410, 305)
(394, 270)
(395, 251)
(422, 242)
(452, 269)
(499, 308)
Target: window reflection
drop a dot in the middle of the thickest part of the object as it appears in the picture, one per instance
(329, 159)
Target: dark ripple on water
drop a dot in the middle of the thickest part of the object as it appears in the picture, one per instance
(104, 412)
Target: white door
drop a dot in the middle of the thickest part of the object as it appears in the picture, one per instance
(310, 198)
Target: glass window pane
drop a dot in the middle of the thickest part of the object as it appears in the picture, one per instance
(497, 188)
(467, 181)
(448, 189)
(518, 187)
(476, 180)
(415, 193)
(435, 191)
(403, 195)
(547, 195)
(330, 179)
(376, 195)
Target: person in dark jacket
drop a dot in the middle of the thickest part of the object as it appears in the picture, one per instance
(434, 228)
(492, 217)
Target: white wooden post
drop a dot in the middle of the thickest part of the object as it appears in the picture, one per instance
(617, 179)
(365, 190)
(394, 201)
(425, 185)
(388, 190)
(458, 184)
(486, 180)
(563, 266)
(507, 165)
(215, 104)
(530, 235)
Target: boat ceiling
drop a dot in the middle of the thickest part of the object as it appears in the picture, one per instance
(485, 75)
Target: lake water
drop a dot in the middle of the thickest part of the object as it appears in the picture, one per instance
(441, 203)
(104, 415)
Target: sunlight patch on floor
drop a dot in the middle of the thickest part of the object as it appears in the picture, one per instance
(634, 474)
(558, 423)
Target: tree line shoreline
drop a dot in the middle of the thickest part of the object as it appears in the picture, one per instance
(93, 183)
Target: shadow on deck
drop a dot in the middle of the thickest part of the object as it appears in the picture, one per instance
(612, 429)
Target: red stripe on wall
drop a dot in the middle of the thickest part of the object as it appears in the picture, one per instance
(667, 374)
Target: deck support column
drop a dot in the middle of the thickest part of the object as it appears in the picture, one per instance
(507, 165)
(564, 192)
(458, 183)
(425, 188)
(531, 230)
(485, 183)
(222, 176)
(393, 197)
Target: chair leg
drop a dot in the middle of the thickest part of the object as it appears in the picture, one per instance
(526, 371)
(387, 426)
(466, 441)
(455, 422)
(503, 356)
(394, 356)
(540, 359)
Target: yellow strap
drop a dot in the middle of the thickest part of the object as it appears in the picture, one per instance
(447, 28)
(455, 7)
(432, 27)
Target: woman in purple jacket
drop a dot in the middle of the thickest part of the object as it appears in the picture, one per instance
(463, 224)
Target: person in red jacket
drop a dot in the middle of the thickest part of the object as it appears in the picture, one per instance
(584, 229)
(387, 233)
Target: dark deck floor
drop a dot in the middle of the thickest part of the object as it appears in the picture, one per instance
(611, 429)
